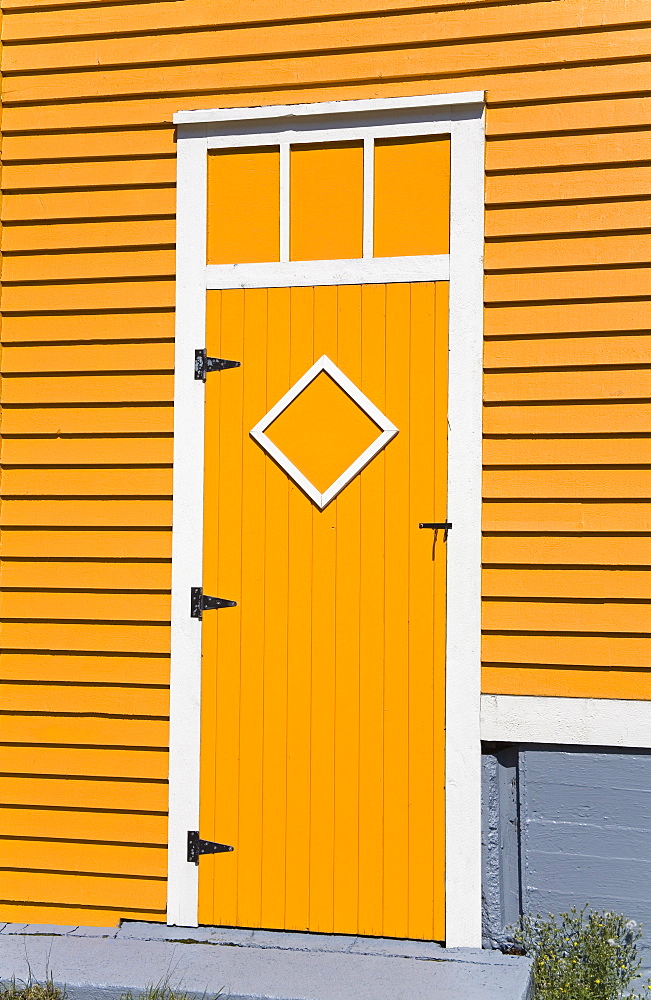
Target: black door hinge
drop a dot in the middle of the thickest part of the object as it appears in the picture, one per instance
(203, 364)
(200, 602)
(197, 846)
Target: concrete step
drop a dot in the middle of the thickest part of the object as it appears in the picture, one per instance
(96, 963)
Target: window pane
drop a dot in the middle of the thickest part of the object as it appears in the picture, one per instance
(412, 196)
(326, 185)
(243, 205)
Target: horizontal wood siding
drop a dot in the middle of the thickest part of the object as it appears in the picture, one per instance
(88, 292)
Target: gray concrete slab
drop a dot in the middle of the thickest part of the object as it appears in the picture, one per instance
(59, 929)
(257, 964)
(103, 932)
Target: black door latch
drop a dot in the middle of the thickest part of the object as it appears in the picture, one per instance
(197, 846)
(443, 526)
(200, 602)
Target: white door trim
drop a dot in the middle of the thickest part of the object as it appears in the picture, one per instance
(461, 116)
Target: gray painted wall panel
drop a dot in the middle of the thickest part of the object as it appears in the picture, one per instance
(554, 837)
(567, 802)
(584, 876)
(584, 821)
(500, 848)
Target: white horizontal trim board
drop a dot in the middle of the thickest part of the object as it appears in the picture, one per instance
(461, 116)
(334, 132)
(391, 104)
(608, 722)
(359, 271)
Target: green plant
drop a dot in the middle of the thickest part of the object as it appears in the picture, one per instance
(31, 990)
(158, 991)
(582, 955)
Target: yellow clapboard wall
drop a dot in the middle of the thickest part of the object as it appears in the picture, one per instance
(88, 288)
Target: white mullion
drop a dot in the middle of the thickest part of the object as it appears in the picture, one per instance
(356, 271)
(284, 202)
(369, 196)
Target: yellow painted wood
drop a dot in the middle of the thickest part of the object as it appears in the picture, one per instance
(149, 671)
(98, 388)
(631, 685)
(87, 637)
(505, 650)
(83, 793)
(276, 578)
(300, 616)
(326, 196)
(323, 690)
(106, 418)
(88, 543)
(88, 729)
(81, 916)
(119, 357)
(544, 543)
(84, 762)
(243, 205)
(120, 233)
(322, 748)
(371, 640)
(84, 858)
(70, 605)
(99, 450)
(89, 149)
(82, 327)
(64, 824)
(412, 196)
(79, 889)
(81, 699)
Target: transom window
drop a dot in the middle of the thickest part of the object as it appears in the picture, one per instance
(376, 197)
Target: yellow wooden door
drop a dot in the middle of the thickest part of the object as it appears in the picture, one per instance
(322, 757)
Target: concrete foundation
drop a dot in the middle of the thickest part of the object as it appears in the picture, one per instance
(95, 963)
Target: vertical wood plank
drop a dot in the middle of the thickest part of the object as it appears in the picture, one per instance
(208, 770)
(299, 625)
(396, 682)
(276, 574)
(252, 612)
(347, 611)
(322, 805)
(440, 572)
(372, 624)
(423, 552)
(222, 869)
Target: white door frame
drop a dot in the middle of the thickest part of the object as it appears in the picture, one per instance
(461, 116)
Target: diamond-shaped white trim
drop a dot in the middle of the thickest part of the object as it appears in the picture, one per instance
(387, 431)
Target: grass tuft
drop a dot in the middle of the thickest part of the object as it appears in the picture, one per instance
(15, 990)
(31, 990)
(157, 991)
